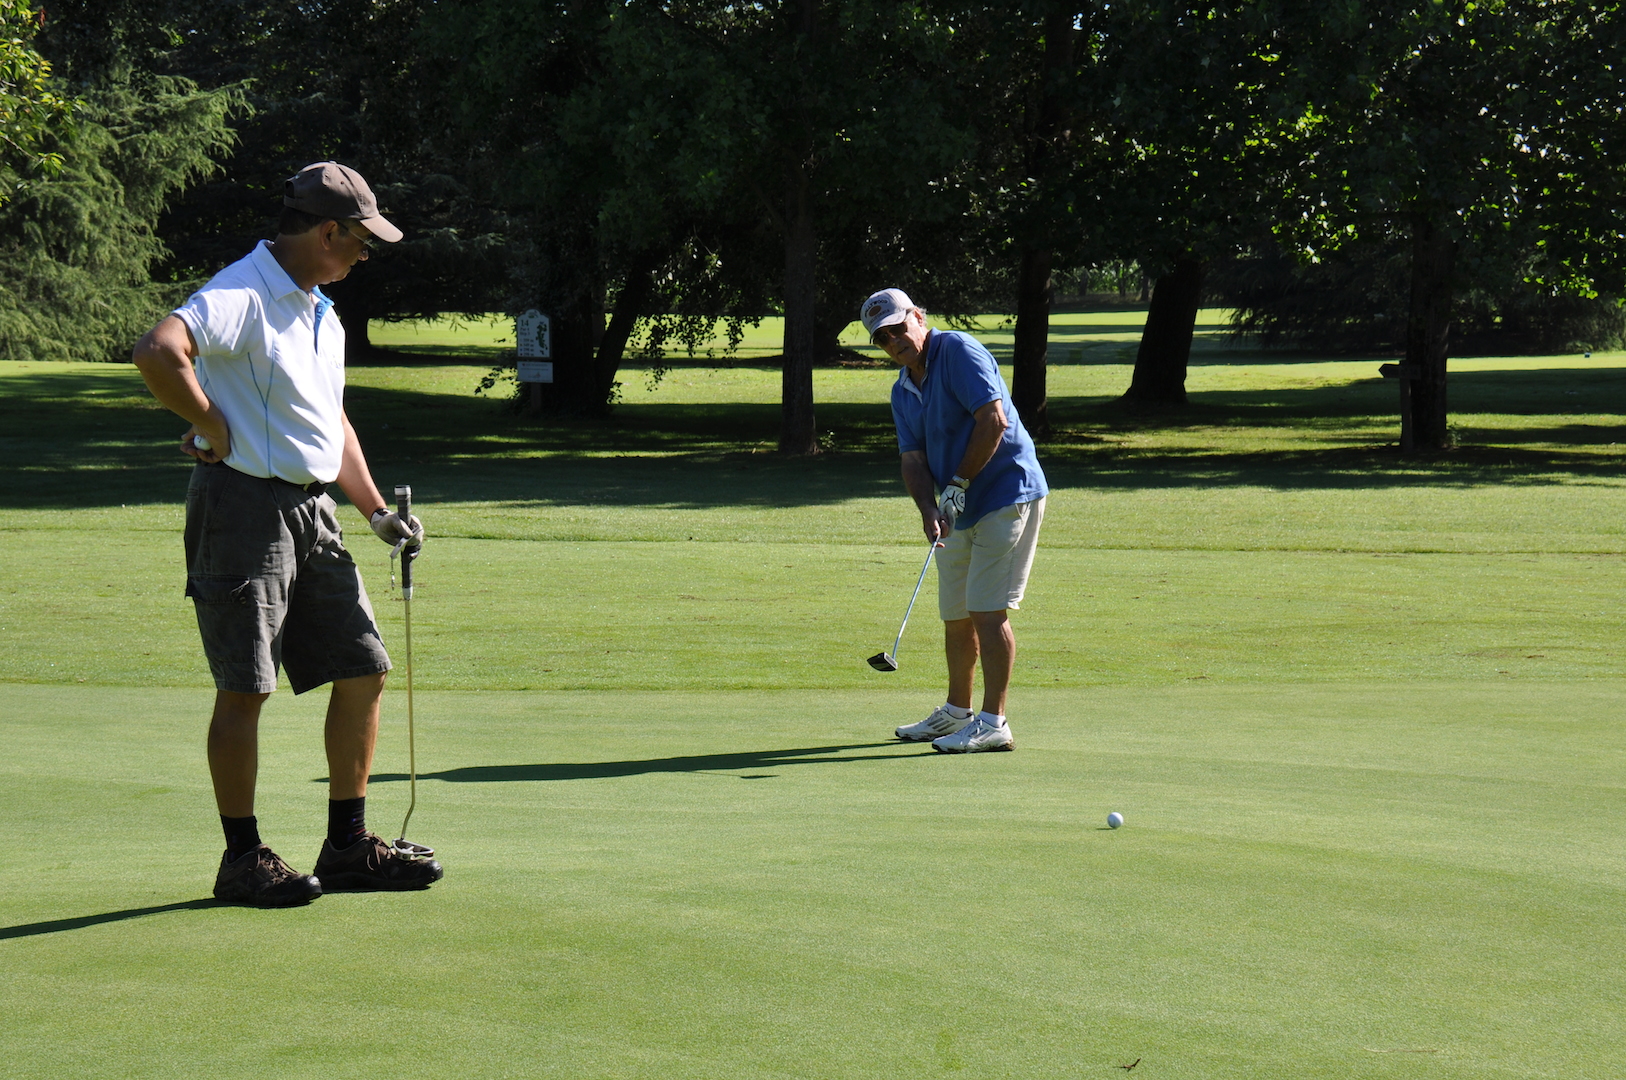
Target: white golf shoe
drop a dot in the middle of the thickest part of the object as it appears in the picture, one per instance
(975, 737)
(939, 723)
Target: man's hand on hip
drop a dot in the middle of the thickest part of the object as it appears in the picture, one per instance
(392, 528)
(207, 448)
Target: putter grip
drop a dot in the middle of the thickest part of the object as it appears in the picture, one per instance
(403, 507)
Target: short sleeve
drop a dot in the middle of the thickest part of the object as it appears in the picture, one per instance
(973, 374)
(909, 438)
(216, 318)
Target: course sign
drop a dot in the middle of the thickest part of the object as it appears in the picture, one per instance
(534, 336)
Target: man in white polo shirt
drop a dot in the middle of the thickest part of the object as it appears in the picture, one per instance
(254, 361)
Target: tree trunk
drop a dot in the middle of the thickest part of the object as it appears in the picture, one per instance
(629, 304)
(1046, 123)
(1032, 345)
(828, 323)
(350, 304)
(574, 388)
(797, 434)
(1165, 343)
(1428, 330)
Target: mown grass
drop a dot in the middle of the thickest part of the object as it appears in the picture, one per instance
(1358, 709)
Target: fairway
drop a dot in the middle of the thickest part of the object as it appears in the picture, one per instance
(1360, 713)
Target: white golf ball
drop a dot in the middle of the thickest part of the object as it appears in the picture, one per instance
(201, 443)
(1114, 820)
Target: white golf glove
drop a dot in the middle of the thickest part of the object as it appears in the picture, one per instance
(392, 529)
(952, 503)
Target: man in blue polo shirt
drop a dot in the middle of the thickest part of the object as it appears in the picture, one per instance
(971, 468)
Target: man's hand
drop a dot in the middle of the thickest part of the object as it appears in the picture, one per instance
(205, 447)
(934, 524)
(392, 528)
(952, 502)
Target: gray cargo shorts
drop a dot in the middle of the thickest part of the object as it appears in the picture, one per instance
(273, 585)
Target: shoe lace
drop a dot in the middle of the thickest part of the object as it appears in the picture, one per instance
(274, 869)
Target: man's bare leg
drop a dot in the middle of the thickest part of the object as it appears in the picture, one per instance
(234, 751)
(960, 647)
(351, 734)
(997, 646)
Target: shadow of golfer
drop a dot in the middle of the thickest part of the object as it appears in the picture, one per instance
(753, 760)
(80, 922)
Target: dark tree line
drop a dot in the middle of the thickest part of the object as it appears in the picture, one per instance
(642, 169)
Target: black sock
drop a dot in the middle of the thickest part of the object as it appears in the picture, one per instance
(346, 821)
(242, 835)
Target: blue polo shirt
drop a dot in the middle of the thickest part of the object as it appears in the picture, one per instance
(937, 417)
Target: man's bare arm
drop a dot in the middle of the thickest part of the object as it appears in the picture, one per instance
(917, 478)
(164, 357)
(355, 479)
(985, 436)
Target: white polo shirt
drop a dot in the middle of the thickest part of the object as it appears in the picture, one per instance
(271, 358)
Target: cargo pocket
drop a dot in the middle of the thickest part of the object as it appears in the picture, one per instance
(229, 617)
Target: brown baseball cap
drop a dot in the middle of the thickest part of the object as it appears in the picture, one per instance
(330, 190)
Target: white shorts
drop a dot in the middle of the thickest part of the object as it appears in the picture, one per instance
(985, 567)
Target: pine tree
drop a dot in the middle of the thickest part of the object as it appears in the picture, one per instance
(77, 248)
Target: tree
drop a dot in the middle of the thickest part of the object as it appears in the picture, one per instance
(342, 79)
(1476, 129)
(77, 249)
(673, 138)
(1206, 105)
(31, 113)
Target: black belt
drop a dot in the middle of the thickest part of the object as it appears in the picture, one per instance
(315, 487)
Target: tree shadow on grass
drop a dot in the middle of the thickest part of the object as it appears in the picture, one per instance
(79, 439)
(700, 763)
(81, 921)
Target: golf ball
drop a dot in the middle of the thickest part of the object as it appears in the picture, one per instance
(201, 443)
(1114, 820)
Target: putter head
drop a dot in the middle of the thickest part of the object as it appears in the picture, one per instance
(406, 847)
(882, 661)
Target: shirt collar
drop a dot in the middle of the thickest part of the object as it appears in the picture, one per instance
(277, 281)
(909, 384)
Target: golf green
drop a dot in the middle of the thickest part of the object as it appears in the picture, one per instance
(1327, 878)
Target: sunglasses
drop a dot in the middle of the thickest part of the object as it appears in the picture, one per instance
(884, 334)
(369, 242)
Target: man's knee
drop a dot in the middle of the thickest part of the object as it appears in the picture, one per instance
(989, 620)
(360, 686)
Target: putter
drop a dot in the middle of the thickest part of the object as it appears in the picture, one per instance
(403, 507)
(883, 661)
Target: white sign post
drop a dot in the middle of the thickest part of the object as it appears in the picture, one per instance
(533, 334)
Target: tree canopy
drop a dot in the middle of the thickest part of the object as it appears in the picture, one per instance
(32, 114)
(641, 169)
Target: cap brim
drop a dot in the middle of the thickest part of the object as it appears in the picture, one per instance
(891, 320)
(382, 229)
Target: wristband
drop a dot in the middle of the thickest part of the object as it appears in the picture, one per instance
(960, 481)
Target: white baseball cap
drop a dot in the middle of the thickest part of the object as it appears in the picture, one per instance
(885, 308)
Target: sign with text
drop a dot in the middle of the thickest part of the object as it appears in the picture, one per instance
(534, 336)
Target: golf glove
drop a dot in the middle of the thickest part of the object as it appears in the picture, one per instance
(392, 529)
(952, 504)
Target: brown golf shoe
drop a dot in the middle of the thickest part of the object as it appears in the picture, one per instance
(260, 878)
(372, 865)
